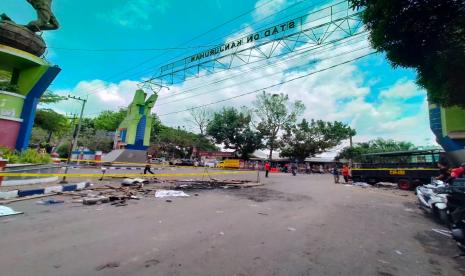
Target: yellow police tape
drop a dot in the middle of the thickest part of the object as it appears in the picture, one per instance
(121, 175)
(125, 163)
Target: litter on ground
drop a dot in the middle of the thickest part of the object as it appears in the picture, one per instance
(7, 211)
(170, 193)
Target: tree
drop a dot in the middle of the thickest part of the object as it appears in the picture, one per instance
(110, 120)
(51, 121)
(275, 113)
(96, 140)
(309, 138)
(374, 146)
(200, 117)
(232, 128)
(49, 97)
(427, 35)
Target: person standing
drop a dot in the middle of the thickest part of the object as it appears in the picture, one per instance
(345, 173)
(147, 165)
(267, 168)
(336, 174)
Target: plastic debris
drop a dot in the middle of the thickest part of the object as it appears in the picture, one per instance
(398, 252)
(291, 229)
(7, 211)
(134, 181)
(361, 184)
(50, 201)
(170, 193)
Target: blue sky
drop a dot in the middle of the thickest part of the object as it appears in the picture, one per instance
(368, 94)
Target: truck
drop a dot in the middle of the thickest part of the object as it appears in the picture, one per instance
(408, 169)
(229, 164)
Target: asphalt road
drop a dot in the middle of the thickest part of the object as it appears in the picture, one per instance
(303, 225)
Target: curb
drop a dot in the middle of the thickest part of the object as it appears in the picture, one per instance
(47, 190)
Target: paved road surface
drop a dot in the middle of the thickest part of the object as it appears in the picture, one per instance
(302, 225)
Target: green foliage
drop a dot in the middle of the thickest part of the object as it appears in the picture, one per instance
(49, 97)
(426, 35)
(109, 120)
(176, 142)
(63, 150)
(34, 157)
(232, 128)
(52, 122)
(96, 140)
(275, 113)
(29, 156)
(309, 138)
(374, 146)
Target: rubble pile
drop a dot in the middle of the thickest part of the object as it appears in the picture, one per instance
(135, 189)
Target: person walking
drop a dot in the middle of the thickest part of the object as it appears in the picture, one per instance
(294, 168)
(345, 173)
(336, 174)
(147, 165)
(267, 168)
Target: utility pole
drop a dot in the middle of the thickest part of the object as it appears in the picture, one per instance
(351, 163)
(75, 134)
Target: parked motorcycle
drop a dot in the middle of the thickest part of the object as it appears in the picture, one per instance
(433, 202)
(456, 211)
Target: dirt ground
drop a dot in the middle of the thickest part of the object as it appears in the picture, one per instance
(302, 225)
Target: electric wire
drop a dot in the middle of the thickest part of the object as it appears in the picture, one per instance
(270, 86)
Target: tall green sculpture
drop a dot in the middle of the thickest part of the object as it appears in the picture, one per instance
(134, 130)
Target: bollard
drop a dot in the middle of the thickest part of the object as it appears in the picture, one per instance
(98, 158)
(56, 158)
(3, 163)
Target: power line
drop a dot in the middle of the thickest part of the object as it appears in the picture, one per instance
(146, 61)
(262, 77)
(196, 37)
(271, 86)
(131, 49)
(294, 56)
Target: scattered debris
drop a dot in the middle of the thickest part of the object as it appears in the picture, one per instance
(213, 184)
(263, 214)
(169, 200)
(170, 193)
(361, 184)
(50, 201)
(107, 265)
(95, 200)
(222, 233)
(291, 229)
(134, 182)
(7, 211)
(398, 252)
(446, 233)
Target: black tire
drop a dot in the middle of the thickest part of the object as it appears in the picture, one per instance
(20, 37)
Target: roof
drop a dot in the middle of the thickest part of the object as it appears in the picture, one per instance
(406, 152)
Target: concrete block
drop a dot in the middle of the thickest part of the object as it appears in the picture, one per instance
(9, 194)
(53, 189)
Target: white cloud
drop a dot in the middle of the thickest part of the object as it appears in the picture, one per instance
(136, 13)
(263, 10)
(403, 89)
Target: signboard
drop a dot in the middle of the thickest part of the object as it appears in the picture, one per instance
(270, 33)
(216, 154)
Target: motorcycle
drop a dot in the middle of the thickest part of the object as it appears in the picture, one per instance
(433, 202)
(456, 211)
